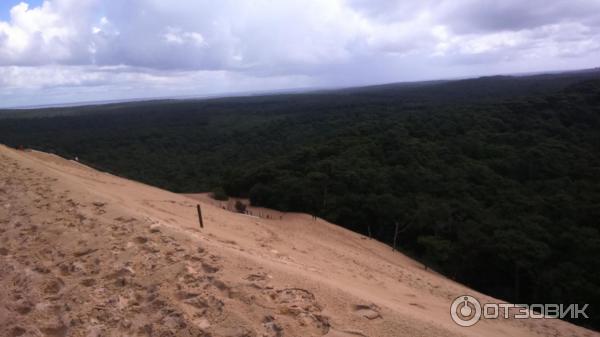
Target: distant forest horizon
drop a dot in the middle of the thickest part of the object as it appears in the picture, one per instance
(283, 90)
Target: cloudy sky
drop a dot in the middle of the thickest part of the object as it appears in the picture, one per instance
(58, 51)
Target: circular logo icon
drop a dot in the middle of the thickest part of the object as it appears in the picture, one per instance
(465, 310)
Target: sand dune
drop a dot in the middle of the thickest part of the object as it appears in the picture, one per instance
(84, 253)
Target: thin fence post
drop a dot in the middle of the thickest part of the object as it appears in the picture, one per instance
(395, 235)
(200, 216)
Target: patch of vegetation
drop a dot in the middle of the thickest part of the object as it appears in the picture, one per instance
(240, 206)
(220, 194)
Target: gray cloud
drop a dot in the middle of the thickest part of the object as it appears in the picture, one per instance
(467, 16)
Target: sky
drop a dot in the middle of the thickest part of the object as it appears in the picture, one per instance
(6, 5)
(63, 51)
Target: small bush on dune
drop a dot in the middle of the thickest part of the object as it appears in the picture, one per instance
(219, 194)
(240, 207)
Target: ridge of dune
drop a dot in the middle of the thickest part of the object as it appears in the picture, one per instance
(86, 253)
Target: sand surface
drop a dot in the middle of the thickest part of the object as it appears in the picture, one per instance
(85, 253)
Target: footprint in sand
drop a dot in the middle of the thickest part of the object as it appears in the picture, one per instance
(259, 277)
(141, 240)
(53, 287)
(338, 333)
(23, 307)
(370, 311)
(236, 332)
(209, 307)
(155, 228)
(17, 331)
(273, 329)
(88, 282)
(420, 306)
(301, 307)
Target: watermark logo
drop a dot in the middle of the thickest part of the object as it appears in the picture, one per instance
(467, 311)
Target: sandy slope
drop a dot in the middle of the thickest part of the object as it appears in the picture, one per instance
(84, 253)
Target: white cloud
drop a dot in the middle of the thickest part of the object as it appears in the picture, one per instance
(174, 35)
(61, 84)
(51, 33)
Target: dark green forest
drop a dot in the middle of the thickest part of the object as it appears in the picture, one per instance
(494, 182)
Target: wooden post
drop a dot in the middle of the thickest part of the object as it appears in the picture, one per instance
(200, 216)
(395, 236)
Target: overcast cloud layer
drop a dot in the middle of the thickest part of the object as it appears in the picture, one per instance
(83, 50)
